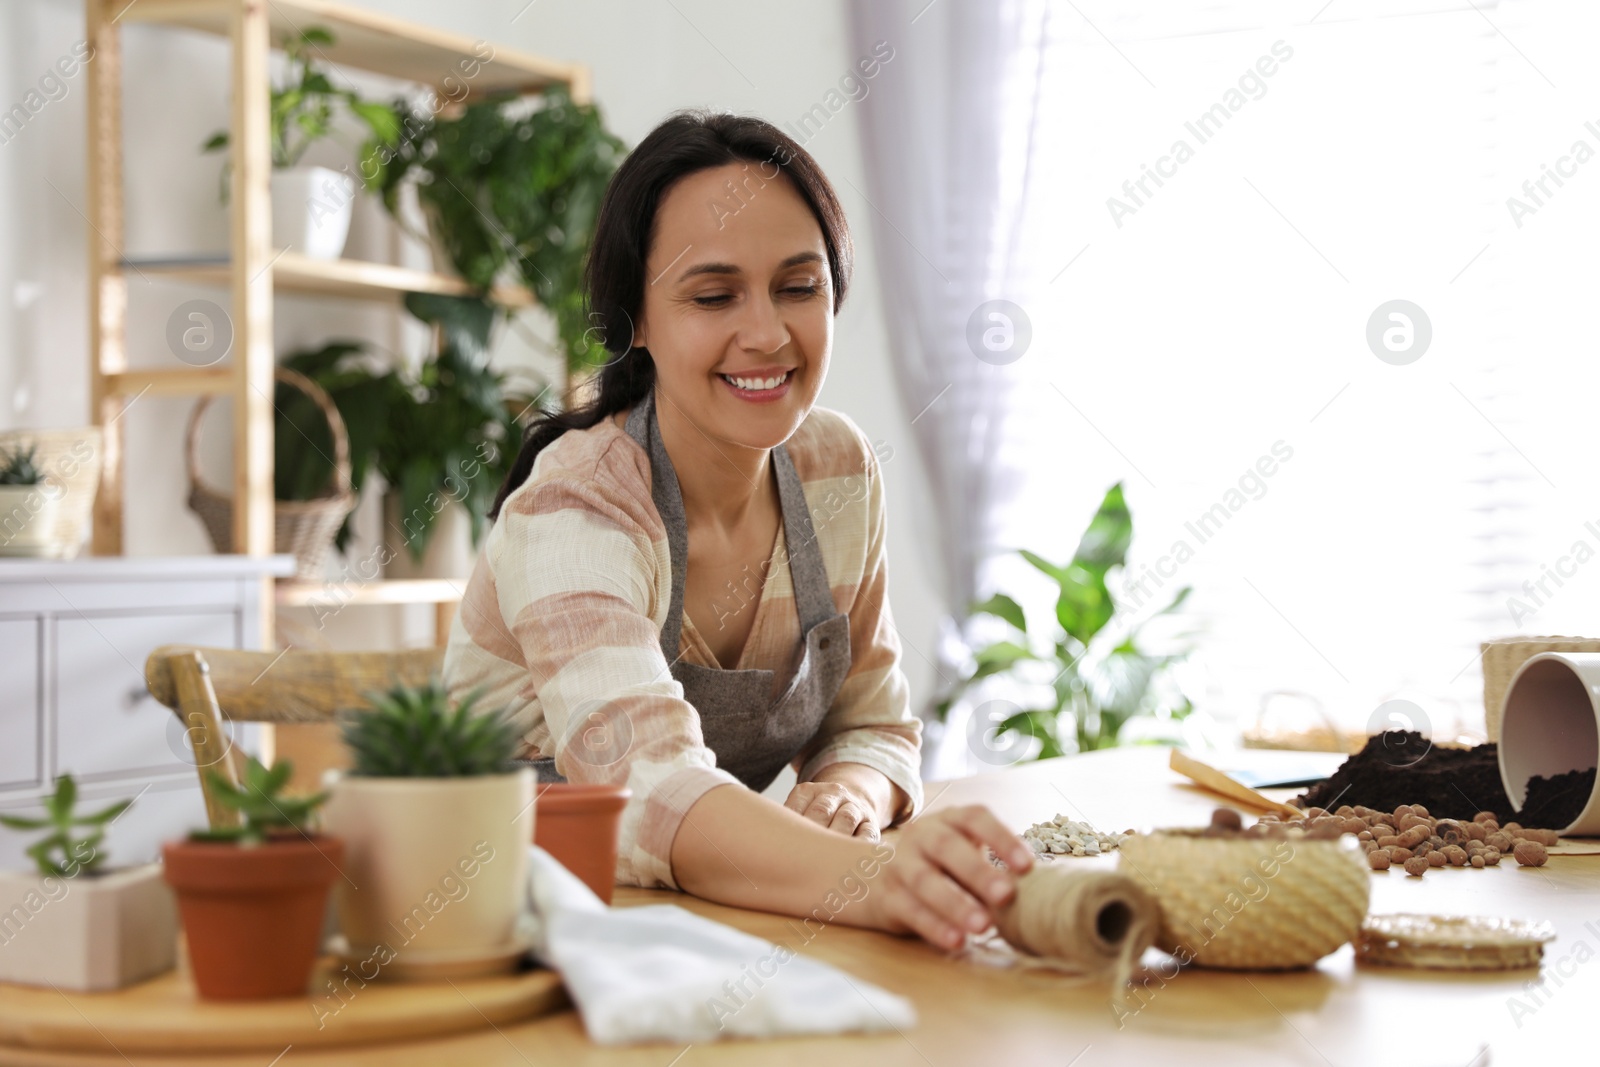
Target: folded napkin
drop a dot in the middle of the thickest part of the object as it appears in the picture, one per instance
(660, 973)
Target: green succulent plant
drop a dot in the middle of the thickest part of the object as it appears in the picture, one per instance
(413, 732)
(20, 466)
(61, 853)
(264, 810)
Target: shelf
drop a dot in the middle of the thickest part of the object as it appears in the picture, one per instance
(456, 66)
(346, 278)
(164, 381)
(299, 593)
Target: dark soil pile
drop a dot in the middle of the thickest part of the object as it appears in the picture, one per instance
(1400, 767)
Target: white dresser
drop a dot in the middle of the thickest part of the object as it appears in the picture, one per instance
(73, 641)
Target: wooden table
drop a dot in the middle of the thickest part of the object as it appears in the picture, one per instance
(1335, 1014)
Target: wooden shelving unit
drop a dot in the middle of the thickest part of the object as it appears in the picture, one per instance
(456, 67)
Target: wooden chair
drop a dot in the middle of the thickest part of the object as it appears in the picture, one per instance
(205, 686)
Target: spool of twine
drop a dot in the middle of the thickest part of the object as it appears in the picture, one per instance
(1083, 922)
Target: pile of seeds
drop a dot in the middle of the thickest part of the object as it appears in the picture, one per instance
(1062, 836)
(1411, 838)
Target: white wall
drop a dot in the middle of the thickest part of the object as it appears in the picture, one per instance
(648, 57)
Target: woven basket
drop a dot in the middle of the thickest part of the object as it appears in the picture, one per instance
(71, 459)
(1250, 903)
(303, 527)
(1504, 655)
(1322, 735)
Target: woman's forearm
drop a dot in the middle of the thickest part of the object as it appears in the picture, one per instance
(740, 848)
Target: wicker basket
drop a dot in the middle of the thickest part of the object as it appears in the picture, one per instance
(73, 459)
(1504, 655)
(303, 527)
(1250, 903)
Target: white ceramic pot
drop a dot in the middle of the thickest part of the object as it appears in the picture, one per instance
(435, 867)
(311, 210)
(87, 933)
(28, 520)
(1550, 724)
(450, 553)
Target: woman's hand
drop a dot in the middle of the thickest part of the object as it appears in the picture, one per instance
(940, 884)
(837, 806)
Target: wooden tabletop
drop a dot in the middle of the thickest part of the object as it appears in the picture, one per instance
(1333, 1015)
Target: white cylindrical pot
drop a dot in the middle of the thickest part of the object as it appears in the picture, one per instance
(311, 210)
(28, 520)
(433, 866)
(449, 554)
(1549, 725)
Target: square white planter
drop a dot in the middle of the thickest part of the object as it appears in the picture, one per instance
(86, 933)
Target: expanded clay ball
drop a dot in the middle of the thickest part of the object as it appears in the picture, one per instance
(1530, 854)
(1378, 860)
(1417, 865)
(1435, 858)
(1226, 819)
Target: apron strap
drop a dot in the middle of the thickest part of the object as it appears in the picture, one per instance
(812, 593)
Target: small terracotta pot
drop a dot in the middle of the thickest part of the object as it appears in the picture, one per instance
(253, 916)
(578, 825)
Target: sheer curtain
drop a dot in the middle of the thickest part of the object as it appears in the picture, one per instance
(1216, 204)
(949, 133)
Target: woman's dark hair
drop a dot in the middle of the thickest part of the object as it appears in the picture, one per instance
(614, 275)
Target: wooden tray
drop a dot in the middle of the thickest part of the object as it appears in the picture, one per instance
(165, 1015)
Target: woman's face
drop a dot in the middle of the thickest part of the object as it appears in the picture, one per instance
(738, 305)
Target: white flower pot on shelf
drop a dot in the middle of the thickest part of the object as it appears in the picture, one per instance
(450, 553)
(311, 210)
(88, 933)
(28, 520)
(437, 867)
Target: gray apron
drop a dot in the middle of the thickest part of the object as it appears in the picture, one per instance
(753, 735)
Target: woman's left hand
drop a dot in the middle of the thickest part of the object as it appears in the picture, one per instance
(835, 806)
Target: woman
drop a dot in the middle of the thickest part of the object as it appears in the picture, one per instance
(684, 587)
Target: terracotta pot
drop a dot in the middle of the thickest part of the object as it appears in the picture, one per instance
(253, 916)
(578, 826)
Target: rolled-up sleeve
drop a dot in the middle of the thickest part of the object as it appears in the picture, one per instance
(581, 583)
(870, 720)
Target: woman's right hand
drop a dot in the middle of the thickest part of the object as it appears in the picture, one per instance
(940, 884)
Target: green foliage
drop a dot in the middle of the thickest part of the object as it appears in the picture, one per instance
(301, 111)
(1101, 678)
(504, 187)
(414, 733)
(264, 810)
(61, 853)
(450, 432)
(20, 466)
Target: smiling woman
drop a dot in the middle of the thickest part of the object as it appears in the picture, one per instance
(685, 587)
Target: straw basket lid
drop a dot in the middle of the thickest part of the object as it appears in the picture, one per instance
(1252, 902)
(305, 528)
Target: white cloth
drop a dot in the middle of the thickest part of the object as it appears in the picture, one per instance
(660, 973)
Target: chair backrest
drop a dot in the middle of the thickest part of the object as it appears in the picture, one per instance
(205, 686)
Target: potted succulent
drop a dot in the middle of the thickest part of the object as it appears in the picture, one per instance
(253, 895)
(312, 206)
(437, 823)
(27, 509)
(73, 922)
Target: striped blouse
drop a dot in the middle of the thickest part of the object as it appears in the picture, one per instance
(564, 609)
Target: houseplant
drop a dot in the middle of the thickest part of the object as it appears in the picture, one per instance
(443, 438)
(311, 206)
(73, 922)
(252, 896)
(509, 191)
(1090, 663)
(437, 823)
(27, 509)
